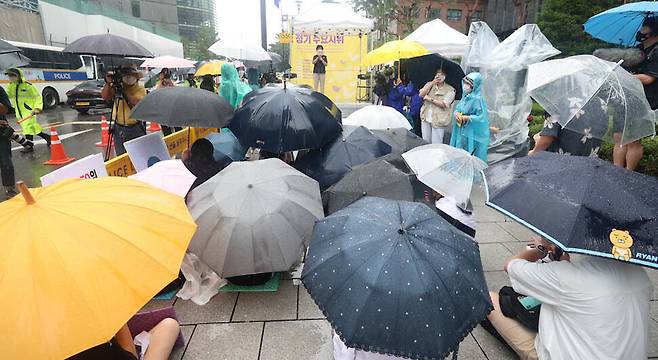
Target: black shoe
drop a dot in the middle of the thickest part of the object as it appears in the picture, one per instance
(27, 149)
(488, 326)
(48, 141)
(10, 192)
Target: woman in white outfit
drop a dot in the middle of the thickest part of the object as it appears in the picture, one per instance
(436, 110)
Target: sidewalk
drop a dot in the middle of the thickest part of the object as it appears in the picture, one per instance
(287, 325)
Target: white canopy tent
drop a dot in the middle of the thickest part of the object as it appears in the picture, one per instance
(439, 37)
(330, 18)
(234, 49)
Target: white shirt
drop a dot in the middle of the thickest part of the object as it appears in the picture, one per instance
(342, 352)
(592, 308)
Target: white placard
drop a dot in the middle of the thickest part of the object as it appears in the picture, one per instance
(89, 167)
(145, 147)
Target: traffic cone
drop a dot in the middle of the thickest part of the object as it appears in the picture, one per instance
(105, 133)
(153, 127)
(57, 154)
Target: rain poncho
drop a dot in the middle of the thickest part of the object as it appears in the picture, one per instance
(231, 88)
(25, 97)
(474, 135)
(253, 76)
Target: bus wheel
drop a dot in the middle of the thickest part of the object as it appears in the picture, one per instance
(50, 98)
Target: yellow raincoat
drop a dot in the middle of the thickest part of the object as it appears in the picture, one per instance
(25, 98)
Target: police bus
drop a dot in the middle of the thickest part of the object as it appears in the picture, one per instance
(54, 72)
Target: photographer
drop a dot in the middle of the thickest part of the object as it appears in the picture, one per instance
(6, 133)
(122, 86)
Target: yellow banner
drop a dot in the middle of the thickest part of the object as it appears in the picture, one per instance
(284, 37)
(344, 56)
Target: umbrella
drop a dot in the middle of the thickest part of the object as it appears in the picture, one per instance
(393, 277)
(584, 205)
(592, 97)
(355, 146)
(288, 119)
(7, 48)
(168, 175)
(239, 50)
(377, 178)
(11, 57)
(277, 64)
(213, 68)
(450, 42)
(421, 70)
(447, 170)
(226, 144)
(394, 51)
(378, 117)
(254, 217)
(167, 61)
(107, 45)
(400, 139)
(70, 283)
(184, 106)
(619, 25)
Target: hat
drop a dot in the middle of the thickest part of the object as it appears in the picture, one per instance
(239, 64)
(13, 71)
(130, 70)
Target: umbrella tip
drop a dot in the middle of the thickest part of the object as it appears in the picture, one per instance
(400, 231)
(29, 199)
(250, 186)
(364, 193)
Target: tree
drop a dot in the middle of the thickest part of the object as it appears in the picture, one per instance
(385, 12)
(197, 48)
(562, 23)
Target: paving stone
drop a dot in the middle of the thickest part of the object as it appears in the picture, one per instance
(492, 232)
(307, 307)
(494, 349)
(478, 196)
(653, 339)
(225, 342)
(157, 304)
(653, 276)
(515, 246)
(177, 353)
(520, 232)
(218, 309)
(493, 256)
(496, 280)
(469, 350)
(260, 306)
(487, 214)
(654, 309)
(297, 340)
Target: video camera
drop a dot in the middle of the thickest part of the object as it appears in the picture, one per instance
(117, 80)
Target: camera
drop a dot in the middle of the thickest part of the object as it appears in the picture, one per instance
(117, 81)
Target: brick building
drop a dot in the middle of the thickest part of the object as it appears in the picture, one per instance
(456, 13)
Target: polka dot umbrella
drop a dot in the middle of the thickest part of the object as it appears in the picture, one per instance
(393, 277)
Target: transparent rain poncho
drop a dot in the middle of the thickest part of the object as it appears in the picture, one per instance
(593, 97)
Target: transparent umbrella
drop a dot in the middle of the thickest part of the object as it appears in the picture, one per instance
(593, 97)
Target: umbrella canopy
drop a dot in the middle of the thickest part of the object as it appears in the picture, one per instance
(378, 117)
(11, 57)
(167, 61)
(254, 217)
(393, 277)
(353, 147)
(213, 68)
(592, 97)
(239, 50)
(448, 170)
(584, 205)
(169, 175)
(450, 43)
(330, 18)
(421, 70)
(226, 144)
(107, 45)
(619, 25)
(72, 282)
(377, 178)
(6, 48)
(277, 64)
(184, 106)
(393, 51)
(288, 119)
(400, 139)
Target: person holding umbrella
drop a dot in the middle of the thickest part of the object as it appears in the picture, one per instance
(470, 130)
(208, 83)
(190, 81)
(435, 113)
(28, 103)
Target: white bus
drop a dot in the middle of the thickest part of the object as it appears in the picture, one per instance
(54, 72)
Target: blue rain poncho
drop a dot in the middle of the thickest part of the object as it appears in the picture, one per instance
(231, 88)
(474, 135)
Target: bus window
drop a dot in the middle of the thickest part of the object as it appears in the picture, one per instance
(88, 64)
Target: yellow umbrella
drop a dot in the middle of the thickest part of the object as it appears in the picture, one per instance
(394, 50)
(80, 257)
(210, 68)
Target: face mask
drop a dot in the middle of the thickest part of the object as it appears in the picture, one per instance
(129, 80)
(241, 73)
(467, 88)
(640, 37)
(440, 78)
(13, 78)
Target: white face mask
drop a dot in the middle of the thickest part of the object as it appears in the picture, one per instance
(468, 88)
(13, 78)
(129, 80)
(241, 73)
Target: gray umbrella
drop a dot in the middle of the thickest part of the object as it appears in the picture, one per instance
(254, 217)
(107, 45)
(11, 57)
(6, 47)
(276, 64)
(184, 106)
(400, 139)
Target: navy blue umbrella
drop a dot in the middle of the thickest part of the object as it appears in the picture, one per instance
(422, 69)
(280, 120)
(393, 277)
(356, 145)
(584, 205)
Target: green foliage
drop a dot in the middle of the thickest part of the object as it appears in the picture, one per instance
(197, 48)
(562, 23)
(385, 12)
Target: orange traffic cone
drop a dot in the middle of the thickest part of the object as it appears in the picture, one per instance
(57, 154)
(153, 127)
(105, 133)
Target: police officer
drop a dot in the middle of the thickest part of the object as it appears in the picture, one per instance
(27, 101)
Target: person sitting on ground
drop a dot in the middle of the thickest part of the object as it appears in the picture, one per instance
(556, 139)
(199, 159)
(121, 347)
(591, 307)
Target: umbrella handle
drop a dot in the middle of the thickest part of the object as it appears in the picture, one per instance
(618, 64)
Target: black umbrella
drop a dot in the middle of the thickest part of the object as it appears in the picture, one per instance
(421, 70)
(582, 204)
(401, 140)
(393, 277)
(377, 178)
(396, 160)
(277, 64)
(356, 145)
(286, 119)
(184, 106)
(107, 45)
